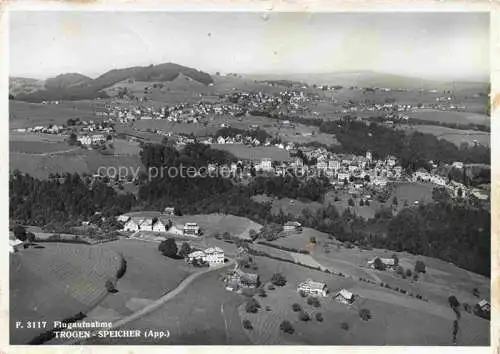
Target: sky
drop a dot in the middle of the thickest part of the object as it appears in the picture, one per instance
(428, 45)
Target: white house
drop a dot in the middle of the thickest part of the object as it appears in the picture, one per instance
(313, 288)
(14, 244)
(123, 218)
(292, 226)
(345, 297)
(196, 255)
(146, 225)
(458, 164)
(191, 229)
(214, 255)
(132, 225)
(160, 226)
(85, 140)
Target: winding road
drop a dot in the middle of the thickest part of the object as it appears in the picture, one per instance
(158, 303)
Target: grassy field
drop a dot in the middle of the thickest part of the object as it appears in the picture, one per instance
(412, 192)
(56, 282)
(149, 276)
(203, 314)
(81, 161)
(254, 153)
(25, 115)
(126, 148)
(451, 117)
(34, 147)
(396, 319)
(455, 136)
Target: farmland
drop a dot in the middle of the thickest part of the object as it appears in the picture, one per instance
(455, 136)
(56, 282)
(451, 117)
(203, 314)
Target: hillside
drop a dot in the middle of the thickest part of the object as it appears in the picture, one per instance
(65, 81)
(374, 79)
(23, 85)
(77, 87)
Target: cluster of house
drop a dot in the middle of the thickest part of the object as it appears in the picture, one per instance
(212, 256)
(250, 141)
(50, 129)
(314, 288)
(236, 280)
(92, 139)
(162, 224)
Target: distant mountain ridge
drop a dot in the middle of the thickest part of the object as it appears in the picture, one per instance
(368, 78)
(76, 86)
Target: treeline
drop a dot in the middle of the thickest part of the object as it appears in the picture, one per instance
(41, 202)
(259, 134)
(290, 187)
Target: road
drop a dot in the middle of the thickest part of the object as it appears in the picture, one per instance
(161, 301)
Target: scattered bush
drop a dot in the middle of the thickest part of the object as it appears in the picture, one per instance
(271, 287)
(313, 301)
(287, 327)
(278, 279)
(408, 273)
(319, 317)
(344, 326)
(365, 314)
(419, 267)
(302, 293)
(296, 307)
(252, 306)
(262, 293)
(304, 316)
(247, 324)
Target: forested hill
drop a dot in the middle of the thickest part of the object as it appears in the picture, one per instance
(78, 87)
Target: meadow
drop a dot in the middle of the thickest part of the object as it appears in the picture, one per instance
(451, 117)
(55, 282)
(455, 136)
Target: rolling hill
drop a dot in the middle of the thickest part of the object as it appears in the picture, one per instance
(23, 85)
(78, 87)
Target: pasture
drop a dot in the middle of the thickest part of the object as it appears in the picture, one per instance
(254, 153)
(455, 136)
(203, 314)
(57, 282)
(149, 276)
(451, 117)
(25, 115)
(79, 161)
(411, 192)
(126, 148)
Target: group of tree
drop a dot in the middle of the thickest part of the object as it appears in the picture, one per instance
(289, 187)
(260, 134)
(70, 199)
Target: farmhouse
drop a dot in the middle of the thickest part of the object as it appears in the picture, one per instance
(214, 255)
(292, 226)
(345, 297)
(191, 229)
(161, 226)
(132, 225)
(196, 255)
(14, 244)
(388, 262)
(313, 288)
(236, 279)
(170, 211)
(146, 225)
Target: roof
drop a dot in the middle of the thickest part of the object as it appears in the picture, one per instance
(313, 284)
(345, 294)
(147, 222)
(250, 277)
(190, 224)
(293, 223)
(15, 242)
(196, 254)
(214, 250)
(483, 303)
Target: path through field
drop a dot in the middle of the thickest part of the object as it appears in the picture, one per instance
(161, 301)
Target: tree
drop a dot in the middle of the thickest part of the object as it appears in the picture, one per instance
(365, 314)
(351, 202)
(319, 317)
(394, 201)
(110, 287)
(312, 240)
(453, 301)
(247, 324)
(20, 233)
(168, 248)
(262, 293)
(252, 306)
(226, 236)
(185, 250)
(460, 192)
(396, 259)
(278, 279)
(408, 273)
(420, 267)
(296, 307)
(287, 327)
(313, 301)
(475, 292)
(253, 234)
(378, 264)
(72, 140)
(30, 237)
(344, 326)
(361, 203)
(304, 316)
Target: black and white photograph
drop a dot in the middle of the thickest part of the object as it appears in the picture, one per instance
(249, 178)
